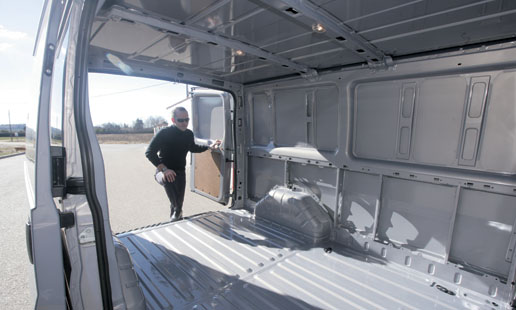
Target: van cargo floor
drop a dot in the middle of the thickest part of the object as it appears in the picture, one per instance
(229, 260)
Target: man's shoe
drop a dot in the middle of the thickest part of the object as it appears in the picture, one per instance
(177, 216)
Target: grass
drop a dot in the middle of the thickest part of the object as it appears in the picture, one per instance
(124, 138)
(15, 139)
(7, 150)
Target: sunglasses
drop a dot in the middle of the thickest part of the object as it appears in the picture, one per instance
(180, 120)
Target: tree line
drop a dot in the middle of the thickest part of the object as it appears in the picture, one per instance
(138, 126)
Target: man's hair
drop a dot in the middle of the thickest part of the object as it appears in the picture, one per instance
(178, 109)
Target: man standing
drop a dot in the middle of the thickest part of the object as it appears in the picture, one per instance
(167, 151)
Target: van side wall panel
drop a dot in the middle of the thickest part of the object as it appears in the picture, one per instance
(326, 118)
(498, 145)
(483, 230)
(416, 214)
(264, 174)
(360, 200)
(417, 157)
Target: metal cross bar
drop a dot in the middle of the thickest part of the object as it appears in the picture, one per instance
(347, 36)
(211, 38)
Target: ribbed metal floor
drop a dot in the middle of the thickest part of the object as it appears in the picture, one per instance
(228, 260)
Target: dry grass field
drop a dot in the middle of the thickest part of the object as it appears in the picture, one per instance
(124, 138)
(137, 138)
(6, 150)
(8, 147)
(15, 139)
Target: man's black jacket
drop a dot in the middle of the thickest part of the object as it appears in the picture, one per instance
(170, 146)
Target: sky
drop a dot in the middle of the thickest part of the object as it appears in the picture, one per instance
(18, 25)
(115, 99)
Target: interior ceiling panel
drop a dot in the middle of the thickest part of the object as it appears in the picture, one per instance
(417, 11)
(226, 15)
(124, 36)
(350, 10)
(302, 41)
(179, 10)
(428, 39)
(267, 27)
(245, 41)
(306, 50)
(265, 70)
(173, 47)
(328, 58)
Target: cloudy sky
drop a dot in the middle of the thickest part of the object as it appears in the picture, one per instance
(113, 99)
(18, 26)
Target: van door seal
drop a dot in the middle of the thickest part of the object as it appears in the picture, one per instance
(80, 96)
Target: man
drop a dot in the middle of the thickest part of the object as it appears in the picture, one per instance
(172, 144)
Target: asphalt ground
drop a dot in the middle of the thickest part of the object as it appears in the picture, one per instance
(14, 262)
(134, 198)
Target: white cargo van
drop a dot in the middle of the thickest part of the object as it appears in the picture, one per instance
(374, 145)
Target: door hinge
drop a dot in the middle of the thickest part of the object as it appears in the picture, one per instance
(58, 154)
(75, 186)
(66, 219)
(49, 59)
(60, 185)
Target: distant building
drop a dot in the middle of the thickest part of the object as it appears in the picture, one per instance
(159, 127)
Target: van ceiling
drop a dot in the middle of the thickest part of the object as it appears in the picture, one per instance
(244, 41)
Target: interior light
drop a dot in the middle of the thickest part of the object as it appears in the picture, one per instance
(239, 53)
(318, 28)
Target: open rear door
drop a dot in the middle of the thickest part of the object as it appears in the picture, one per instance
(211, 120)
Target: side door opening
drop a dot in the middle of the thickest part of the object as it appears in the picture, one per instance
(211, 171)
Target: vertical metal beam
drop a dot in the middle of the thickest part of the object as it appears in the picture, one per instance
(512, 271)
(452, 224)
(378, 206)
(341, 174)
(286, 176)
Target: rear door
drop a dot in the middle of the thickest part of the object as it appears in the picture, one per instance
(210, 172)
(43, 229)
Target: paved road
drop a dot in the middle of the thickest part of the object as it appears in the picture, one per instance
(135, 200)
(14, 262)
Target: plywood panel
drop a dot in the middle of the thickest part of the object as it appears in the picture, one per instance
(207, 172)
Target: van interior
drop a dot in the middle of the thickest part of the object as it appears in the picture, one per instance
(373, 147)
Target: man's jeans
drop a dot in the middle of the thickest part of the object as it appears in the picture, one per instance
(175, 190)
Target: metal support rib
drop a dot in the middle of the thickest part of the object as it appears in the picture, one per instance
(211, 38)
(354, 42)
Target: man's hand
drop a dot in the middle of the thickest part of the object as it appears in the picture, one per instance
(170, 175)
(215, 145)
